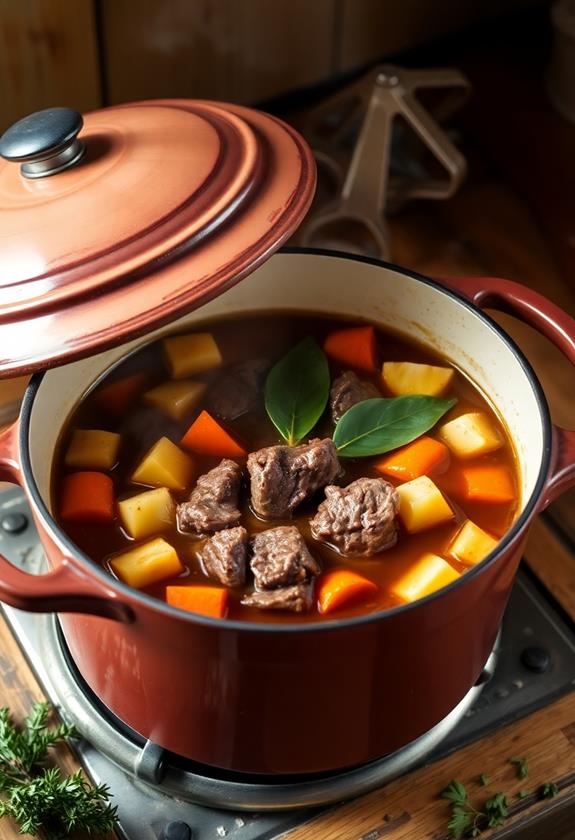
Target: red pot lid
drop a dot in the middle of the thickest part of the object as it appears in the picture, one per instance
(154, 209)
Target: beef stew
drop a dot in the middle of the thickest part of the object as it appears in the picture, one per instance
(236, 523)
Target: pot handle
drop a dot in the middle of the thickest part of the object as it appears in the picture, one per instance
(556, 325)
(66, 588)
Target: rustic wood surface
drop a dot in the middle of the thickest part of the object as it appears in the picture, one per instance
(83, 53)
(411, 808)
(242, 52)
(48, 57)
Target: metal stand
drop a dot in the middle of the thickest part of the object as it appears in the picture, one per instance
(386, 167)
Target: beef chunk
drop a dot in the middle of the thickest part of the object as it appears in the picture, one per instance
(284, 476)
(224, 556)
(281, 558)
(296, 598)
(347, 390)
(239, 390)
(359, 519)
(213, 503)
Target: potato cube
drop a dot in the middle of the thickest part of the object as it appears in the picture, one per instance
(92, 449)
(147, 563)
(176, 398)
(410, 378)
(470, 435)
(189, 354)
(165, 465)
(422, 505)
(147, 513)
(471, 544)
(427, 574)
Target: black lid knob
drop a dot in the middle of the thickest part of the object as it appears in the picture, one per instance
(44, 142)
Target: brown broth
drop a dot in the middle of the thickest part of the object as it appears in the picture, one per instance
(271, 335)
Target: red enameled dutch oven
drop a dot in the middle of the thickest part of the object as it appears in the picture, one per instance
(143, 224)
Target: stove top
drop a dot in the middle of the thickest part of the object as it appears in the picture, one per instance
(534, 663)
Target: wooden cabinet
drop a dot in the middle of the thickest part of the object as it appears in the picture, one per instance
(48, 56)
(87, 53)
(242, 51)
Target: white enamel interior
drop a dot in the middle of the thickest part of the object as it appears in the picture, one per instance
(311, 282)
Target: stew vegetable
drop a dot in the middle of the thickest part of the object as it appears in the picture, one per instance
(281, 467)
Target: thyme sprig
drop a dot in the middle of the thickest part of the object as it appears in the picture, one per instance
(40, 799)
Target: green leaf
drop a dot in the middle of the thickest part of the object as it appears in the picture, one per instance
(483, 779)
(460, 822)
(455, 792)
(522, 766)
(496, 810)
(523, 793)
(297, 390)
(548, 790)
(373, 427)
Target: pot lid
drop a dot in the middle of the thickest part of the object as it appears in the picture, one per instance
(124, 220)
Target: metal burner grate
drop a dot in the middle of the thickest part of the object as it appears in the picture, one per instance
(535, 663)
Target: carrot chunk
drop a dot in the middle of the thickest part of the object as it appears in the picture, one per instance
(117, 398)
(87, 497)
(354, 346)
(487, 483)
(206, 600)
(340, 587)
(206, 436)
(418, 458)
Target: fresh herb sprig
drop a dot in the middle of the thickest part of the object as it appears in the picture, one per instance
(468, 821)
(296, 395)
(39, 799)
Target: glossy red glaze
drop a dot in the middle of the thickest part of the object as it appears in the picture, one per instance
(299, 702)
(556, 325)
(173, 202)
(68, 587)
(305, 699)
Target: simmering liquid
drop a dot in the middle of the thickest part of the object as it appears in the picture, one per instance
(270, 336)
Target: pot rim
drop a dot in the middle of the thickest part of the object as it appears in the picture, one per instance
(333, 624)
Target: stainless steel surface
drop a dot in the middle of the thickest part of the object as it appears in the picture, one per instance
(45, 142)
(67, 157)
